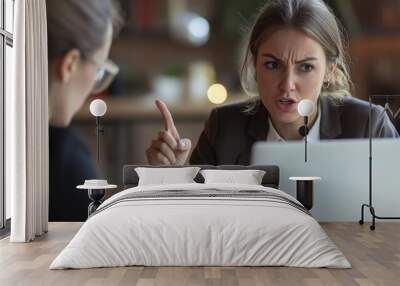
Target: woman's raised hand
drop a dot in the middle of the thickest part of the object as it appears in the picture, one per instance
(168, 148)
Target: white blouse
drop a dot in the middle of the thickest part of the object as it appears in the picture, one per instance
(313, 135)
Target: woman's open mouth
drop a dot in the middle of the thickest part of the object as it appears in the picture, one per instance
(286, 104)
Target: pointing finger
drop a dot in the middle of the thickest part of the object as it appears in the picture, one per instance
(168, 120)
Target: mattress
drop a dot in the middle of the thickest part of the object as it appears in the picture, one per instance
(201, 225)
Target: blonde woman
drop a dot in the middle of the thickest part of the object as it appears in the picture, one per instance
(295, 51)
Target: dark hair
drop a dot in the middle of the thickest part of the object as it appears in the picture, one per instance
(315, 19)
(77, 24)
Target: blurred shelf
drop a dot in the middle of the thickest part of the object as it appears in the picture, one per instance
(368, 50)
(376, 43)
(144, 109)
(149, 54)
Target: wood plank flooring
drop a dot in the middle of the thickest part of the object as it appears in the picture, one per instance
(375, 257)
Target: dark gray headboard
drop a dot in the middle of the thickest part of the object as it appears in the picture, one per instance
(271, 178)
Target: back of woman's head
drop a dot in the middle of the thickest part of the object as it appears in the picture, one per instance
(77, 24)
(315, 19)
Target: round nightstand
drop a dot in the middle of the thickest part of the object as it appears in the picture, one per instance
(304, 190)
(96, 194)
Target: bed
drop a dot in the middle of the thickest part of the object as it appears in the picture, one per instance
(201, 224)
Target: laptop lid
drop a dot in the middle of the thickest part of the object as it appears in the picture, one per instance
(343, 166)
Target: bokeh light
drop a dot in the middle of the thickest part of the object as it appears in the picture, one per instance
(217, 93)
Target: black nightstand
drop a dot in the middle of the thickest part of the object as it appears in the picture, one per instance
(96, 195)
(304, 190)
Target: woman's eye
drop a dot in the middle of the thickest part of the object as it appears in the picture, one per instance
(271, 65)
(306, 67)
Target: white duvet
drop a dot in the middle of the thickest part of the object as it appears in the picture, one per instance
(185, 231)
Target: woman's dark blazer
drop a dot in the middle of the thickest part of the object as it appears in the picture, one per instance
(230, 132)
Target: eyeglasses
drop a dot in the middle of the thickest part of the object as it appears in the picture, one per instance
(104, 75)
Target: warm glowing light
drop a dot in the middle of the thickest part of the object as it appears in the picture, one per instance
(217, 93)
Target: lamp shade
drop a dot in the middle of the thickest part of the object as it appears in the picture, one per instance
(305, 107)
(98, 107)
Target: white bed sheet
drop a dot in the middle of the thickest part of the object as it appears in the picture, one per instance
(200, 231)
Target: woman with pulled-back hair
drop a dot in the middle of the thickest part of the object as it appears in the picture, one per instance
(295, 51)
(79, 40)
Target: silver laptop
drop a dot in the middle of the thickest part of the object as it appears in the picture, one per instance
(344, 170)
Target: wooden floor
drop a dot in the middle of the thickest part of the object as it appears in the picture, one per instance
(375, 257)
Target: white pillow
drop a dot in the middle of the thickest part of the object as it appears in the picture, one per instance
(163, 176)
(248, 177)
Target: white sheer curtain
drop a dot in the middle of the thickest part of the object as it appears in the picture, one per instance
(27, 124)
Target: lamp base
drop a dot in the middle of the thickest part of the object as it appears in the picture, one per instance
(374, 216)
(95, 195)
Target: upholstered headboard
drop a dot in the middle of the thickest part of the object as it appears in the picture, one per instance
(271, 178)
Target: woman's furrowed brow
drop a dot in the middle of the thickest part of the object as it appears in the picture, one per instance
(306, 60)
(268, 55)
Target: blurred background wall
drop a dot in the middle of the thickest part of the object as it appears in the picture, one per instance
(176, 49)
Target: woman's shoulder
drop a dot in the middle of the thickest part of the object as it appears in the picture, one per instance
(238, 115)
(353, 115)
(67, 142)
(67, 136)
(241, 109)
(348, 104)
(343, 101)
(238, 106)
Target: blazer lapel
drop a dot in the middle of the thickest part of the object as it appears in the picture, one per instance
(257, 130)
(330, 126)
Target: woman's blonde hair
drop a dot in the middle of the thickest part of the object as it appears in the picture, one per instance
(315, 19)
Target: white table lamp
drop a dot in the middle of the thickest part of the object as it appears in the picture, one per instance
(98, 108)
(305, 108)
